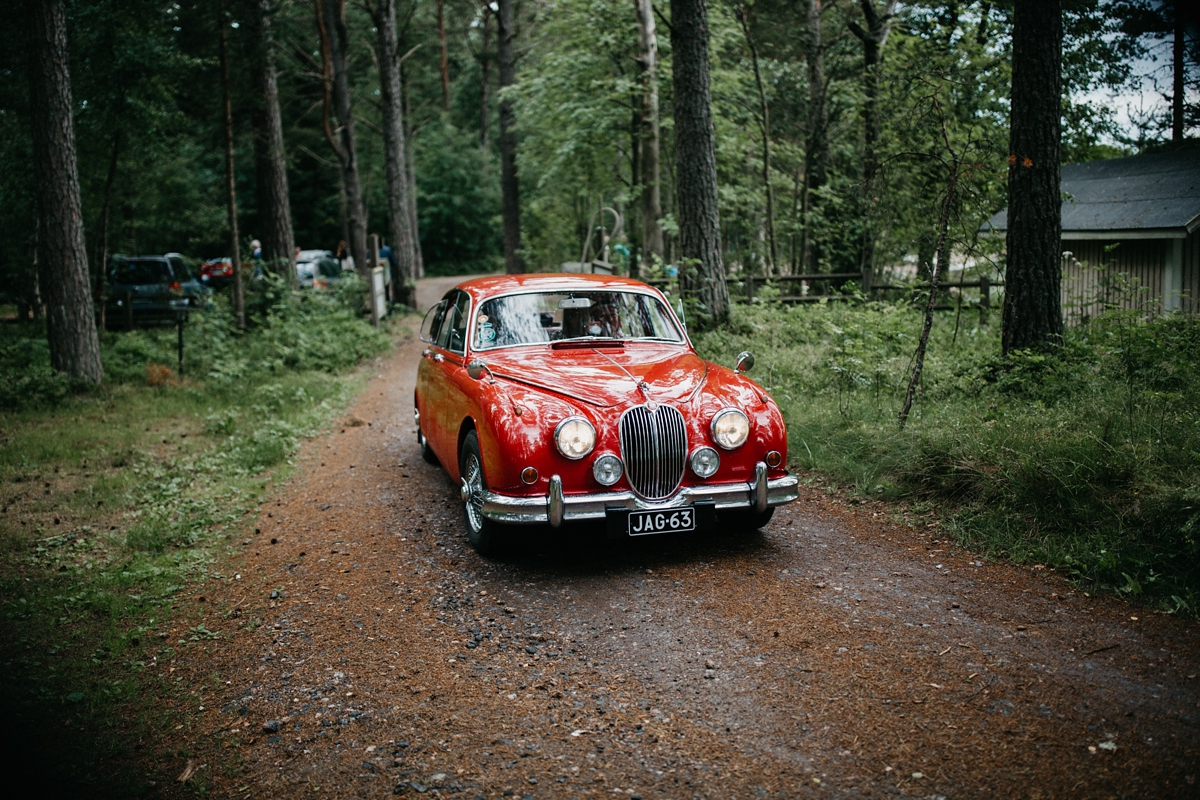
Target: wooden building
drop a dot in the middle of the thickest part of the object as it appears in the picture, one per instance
(1130, 234)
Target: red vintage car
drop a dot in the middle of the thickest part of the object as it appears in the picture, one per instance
(555, 398)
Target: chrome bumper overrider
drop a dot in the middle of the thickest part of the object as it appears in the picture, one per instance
(555, 508)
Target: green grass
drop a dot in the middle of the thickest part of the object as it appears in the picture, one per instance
(1085, 459)
(117, 499)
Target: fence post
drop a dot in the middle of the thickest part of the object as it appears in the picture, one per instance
(750, 290)
(985, 298)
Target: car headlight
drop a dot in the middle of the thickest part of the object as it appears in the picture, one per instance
(730, 428)
(705, 461)
(607, 470)
(575, 437)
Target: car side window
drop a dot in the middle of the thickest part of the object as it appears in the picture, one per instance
(431, 325)
(443, 334)
(458, 327)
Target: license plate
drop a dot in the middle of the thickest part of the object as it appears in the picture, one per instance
(646, 522)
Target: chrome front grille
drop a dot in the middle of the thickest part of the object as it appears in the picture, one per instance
(654, 449)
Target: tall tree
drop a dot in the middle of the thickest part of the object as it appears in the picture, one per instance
(817, 148)
(510, 196)
(765, 130)
(239, 303)
(399, 222)
(873, 38)
(270, 162)
(703, 277)
(485, 68)
(444, 63)
(1033, 277)
(652, 234)
(1178, 39)
(335, 46)
(63, 263)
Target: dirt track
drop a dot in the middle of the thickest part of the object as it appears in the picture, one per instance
(835, 654)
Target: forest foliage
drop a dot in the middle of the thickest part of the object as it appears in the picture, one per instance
(145, 81)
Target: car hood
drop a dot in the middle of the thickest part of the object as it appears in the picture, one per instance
(604, 376)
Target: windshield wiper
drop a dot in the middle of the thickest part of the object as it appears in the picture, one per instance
(586, 341)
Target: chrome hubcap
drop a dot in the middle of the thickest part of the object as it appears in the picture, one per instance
(472, 493)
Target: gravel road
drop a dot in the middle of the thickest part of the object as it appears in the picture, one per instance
(367, 651)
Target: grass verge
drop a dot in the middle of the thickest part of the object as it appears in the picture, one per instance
(116, 499)
(1084, 460)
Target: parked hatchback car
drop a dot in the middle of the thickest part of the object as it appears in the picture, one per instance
(317, 269)
(151, 289)
(556, 398)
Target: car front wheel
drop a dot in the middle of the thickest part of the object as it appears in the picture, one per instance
(484, 534)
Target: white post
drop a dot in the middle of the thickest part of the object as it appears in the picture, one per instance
(369, 274)
(1173, 276)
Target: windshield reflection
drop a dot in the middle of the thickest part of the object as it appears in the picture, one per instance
(542, 317)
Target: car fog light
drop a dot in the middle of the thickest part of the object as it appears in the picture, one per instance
(607, 470)
(730, 428)
(705, 462)
(529, 475)
(774, 459)
(575, 437)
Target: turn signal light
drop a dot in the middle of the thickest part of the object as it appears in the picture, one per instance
(529, 475)
(774, 459)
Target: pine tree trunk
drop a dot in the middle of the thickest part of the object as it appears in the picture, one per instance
(445, 57)
(765, 121)
(239, 300)
(652, 233)
(105, 210)
(400, 231)
(510, 196)
(702, 277)
(270, 161)
(1033, 278)
(1178, 74)
(817, 154)
(485, 67)
(414, 226)
(332, 15)
(63, 263)
(873, 38)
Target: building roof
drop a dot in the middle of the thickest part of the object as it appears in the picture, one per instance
(1155, 195)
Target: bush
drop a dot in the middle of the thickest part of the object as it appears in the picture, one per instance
(1085, 459)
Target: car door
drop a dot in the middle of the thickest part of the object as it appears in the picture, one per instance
(445, 401)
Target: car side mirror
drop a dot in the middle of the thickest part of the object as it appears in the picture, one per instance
(745, 362)
(476, 369)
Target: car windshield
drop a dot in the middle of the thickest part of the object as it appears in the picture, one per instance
(140, 272)
(537, 318)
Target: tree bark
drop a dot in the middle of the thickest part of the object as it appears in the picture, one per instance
(400, 230)
(510, 196)
(1177, 66)
(817, 155)
(270, 159)
(418, 256)
(106, 206)
(332, 24)
(702, 277)
(1033, 278)
(873, 38)
(445, 58)
(765, 120)
(485, 67)
(239, 302)
(63, 263)
(652, 233)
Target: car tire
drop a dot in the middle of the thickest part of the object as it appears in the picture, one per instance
(484, 534)
(747, 520)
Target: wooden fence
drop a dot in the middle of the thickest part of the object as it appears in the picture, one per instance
(791, 289)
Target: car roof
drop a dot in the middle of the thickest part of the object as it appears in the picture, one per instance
(492, 285)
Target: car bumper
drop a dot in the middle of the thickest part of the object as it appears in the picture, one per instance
(556, 508)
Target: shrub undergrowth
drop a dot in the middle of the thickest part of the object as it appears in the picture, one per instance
(117, 497)
(1085, 458)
